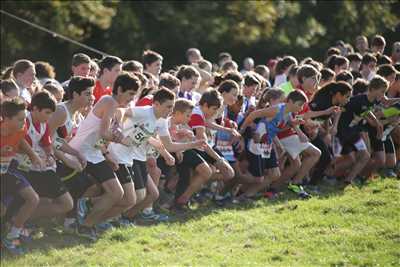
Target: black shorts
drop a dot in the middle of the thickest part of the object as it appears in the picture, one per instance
(379, 145)
(207, 157)
(165, 169)
(192, 158)
(101, 171)
(140, 174)
(124, 174)
(46, 183)
(258, 164)
(76, 182)
(11, 184)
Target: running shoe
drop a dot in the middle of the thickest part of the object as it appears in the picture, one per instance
(86, 232)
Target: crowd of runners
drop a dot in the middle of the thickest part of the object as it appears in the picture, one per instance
(123, 142)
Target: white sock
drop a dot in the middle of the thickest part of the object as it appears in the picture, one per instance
(14, 233)
(147, 210)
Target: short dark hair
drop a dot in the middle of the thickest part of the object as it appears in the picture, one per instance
(20, 66)
(126, 81)
(378, 82)
(7, 86)
(306, 71)
(250, 80)
(10, 108)
(327, 74)
(233, 75)
(335, 60)
(163, 95)
(354, 57)
(378, 40)
(187, 72)
(43, 100)
(80, 58)
(332, 51)
(169, 81)
(261, 69)
(44, 70)
(79, 84)
(297, 96)
(149, 57)
(368, 58)
(293, 71)
(132, 65)
(285, 63)
(386, 70)
(108, 62)
(360, 86)
(382, 59)
(182, 105)
(192, 51)
(227, 86)
(345, 76)
(224, 55)
(212, 98)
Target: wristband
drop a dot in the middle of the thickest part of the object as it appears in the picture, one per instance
(106, 153)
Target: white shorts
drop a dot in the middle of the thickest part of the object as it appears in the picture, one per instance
(293, 146)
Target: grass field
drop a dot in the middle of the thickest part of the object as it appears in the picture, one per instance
(359, 226)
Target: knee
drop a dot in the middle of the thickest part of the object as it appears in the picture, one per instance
(363, 155)
(116, 194)
(315, 154)
(130, 201)
(34, 200)
(67, 203)
(205, 171)
(140, 195)
(155, 194)
(227, 171)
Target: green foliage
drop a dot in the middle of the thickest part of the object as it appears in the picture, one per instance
(261, 29)
(355, 227)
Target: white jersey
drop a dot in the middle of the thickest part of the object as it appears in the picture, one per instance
(139, 128)
(87, 137)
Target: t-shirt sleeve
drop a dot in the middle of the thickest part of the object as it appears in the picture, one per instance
(162, 125)
(46, 139)
(196, 121)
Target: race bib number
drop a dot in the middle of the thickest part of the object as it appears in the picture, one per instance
(266, 150)
(99, 144)
(139, 135)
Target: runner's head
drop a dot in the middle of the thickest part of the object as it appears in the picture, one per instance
(210, 102)
(81, 90)
(327, 75)
(24, 72)
(308, 78)
(368, 63)
(355, 61)
(283, 65)
(377, 87)
(43, 104)
(125, 88)
(132, 66)
(80, 65)
(378, 44)
(360, 86)
(296, 100)
(163, 102)
(388, 72)
(110, 68)
(93, 69)
(189, 78)
(251, 85)
(271, 97)
(362, 44)
(182, 111)
(193, 55)
(169, 81)
(152, 62)
(229, 90)
(9, 88)
(56, 90)
(338, 63)
(345, 76)
(12, 114)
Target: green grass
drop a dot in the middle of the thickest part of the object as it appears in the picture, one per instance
(354, 227)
